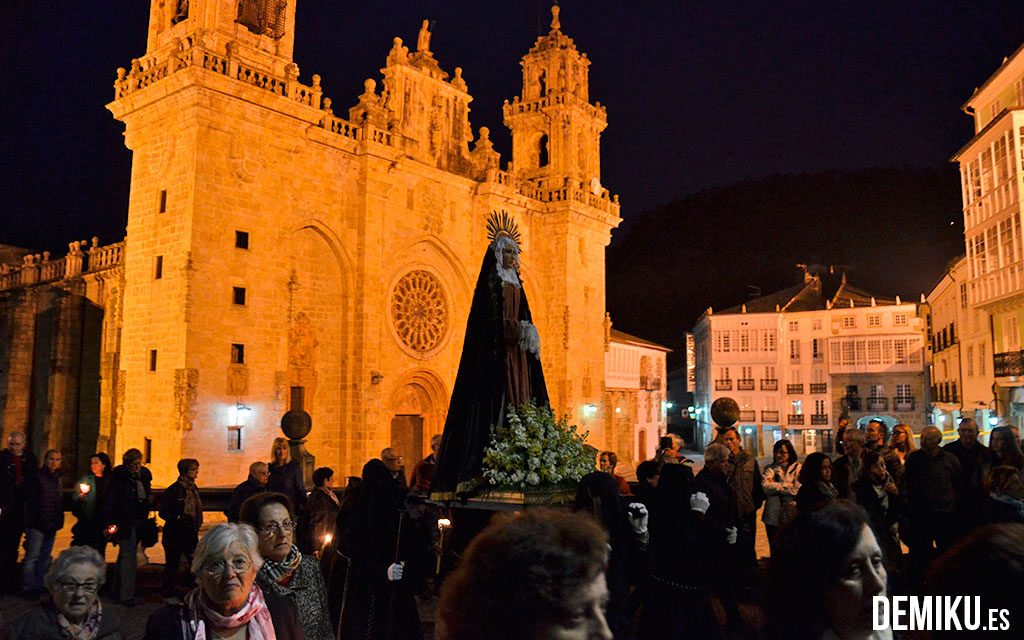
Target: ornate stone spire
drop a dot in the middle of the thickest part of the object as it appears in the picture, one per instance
(556, 24)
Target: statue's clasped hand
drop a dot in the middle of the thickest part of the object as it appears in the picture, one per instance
(528, 338)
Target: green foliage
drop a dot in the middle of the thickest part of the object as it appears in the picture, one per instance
(534, 449)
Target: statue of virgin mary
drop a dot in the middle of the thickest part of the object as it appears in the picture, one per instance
(500, 364)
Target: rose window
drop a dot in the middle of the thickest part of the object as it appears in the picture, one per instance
(419, 310)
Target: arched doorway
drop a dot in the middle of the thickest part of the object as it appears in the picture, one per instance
(417, 411)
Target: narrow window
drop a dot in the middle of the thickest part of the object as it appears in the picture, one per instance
(238, 295)
(235, 438)
(163, 200)
(542, 152)
(158, 268)
(237, 353)
(241, 239)
(152, 359)
(147, 451)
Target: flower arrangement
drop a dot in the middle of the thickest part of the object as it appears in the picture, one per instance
(533, 449)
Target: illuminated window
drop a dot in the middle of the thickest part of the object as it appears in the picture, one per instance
(238, 295)
(234, 438)
(237, 353)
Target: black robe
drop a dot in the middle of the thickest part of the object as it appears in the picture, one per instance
(478, 399)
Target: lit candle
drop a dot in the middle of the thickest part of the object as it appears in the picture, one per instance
(84, 488)
(327, 538)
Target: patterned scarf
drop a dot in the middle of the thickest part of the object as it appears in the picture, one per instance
(254, 614)
(281, 572)
(89, 629)
(193, 505)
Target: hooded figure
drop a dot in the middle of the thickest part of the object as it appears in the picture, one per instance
(500, 364)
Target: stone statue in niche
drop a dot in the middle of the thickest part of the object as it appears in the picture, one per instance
(302, 345)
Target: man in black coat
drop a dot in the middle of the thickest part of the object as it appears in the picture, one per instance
(44, 517)
(933, 482)
(259, 474)
(973, 457)
(128, 501)
(16, 462)
(182, 511)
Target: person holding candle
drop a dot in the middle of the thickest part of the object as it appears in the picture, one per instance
(92, 487)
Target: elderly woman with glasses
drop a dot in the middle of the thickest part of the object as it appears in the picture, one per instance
(227, 603)
(74, 611)
(285, 571)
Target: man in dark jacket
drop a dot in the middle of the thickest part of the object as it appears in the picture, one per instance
(747, 496)
(933, 481)
(875, 436)
(15, 464)
(973, 457)
(847, 468)
(182, 511)
(44, 517)
(259, 474)
(128, 502)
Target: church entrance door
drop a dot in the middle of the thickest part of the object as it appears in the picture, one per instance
(407, 437)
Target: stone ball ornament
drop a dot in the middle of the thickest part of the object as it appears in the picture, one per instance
(725, 412)
(296, 424)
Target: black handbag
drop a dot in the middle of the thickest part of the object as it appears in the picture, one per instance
(149, 533)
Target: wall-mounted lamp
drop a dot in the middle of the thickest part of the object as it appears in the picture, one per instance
(589, 410)
(241, 406)
(376, 377)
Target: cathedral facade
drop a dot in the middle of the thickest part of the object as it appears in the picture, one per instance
(280, 249)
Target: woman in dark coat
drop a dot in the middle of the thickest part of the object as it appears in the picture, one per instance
(816, 488)
(379, 602)
(91, 490)
(876, 492)
(286, 475)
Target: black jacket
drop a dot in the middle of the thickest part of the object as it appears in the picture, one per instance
(41, 624)
(12, 494)
(181, 531)
(123, 506)
(171, 621)
(287, 479)
(44, 510)
(241, 493)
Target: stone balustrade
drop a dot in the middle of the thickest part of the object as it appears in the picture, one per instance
(569, 192)
(40, 269)
(151, 69)
(518, 105)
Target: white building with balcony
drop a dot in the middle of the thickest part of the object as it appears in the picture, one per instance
(961, 347)
(635, 395)
(991, 172)
(797, 359)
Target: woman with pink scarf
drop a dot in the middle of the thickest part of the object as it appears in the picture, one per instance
(227, 604)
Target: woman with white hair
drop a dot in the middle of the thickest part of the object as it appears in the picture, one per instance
(74, 611)
(227, 603)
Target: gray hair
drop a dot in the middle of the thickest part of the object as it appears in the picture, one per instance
(715, 453)
(258, 466)
(73, 556)
(853, 435)
(221, 536)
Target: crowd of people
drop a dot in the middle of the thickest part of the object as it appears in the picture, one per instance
(672, 556)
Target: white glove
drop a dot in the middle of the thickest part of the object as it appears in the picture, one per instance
(699, 502)
(395, 571)
(731, 534)
(638, 517)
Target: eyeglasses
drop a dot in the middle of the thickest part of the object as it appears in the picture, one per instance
(272, 528)
(216, 568)
(71, 587)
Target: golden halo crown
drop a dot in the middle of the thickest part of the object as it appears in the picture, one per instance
(501, 223)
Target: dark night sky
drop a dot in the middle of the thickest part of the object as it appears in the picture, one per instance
(699, 94)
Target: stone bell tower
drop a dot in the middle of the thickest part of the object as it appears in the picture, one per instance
(259, 32)
(555, 130)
